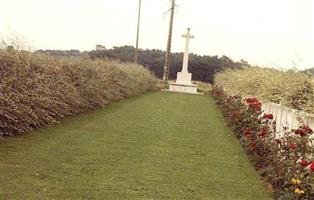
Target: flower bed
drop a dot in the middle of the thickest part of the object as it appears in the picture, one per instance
(287, 162)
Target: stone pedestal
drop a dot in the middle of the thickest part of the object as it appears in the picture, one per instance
(184, 78)
(175, 87)
(183, 84)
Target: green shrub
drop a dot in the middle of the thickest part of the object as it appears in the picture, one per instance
(36, 89)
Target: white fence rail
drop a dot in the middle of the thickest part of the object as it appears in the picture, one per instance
(287, 117)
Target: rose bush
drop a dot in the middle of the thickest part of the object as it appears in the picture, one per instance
(286, 162)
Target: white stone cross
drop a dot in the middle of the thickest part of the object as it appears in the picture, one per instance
(188, 36)
(184, 78)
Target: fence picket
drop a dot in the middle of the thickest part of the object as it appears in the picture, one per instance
(287, 117)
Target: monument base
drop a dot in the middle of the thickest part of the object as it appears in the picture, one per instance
(184, 88)
(184, 78)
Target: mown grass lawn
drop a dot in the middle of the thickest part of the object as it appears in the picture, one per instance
(155, 146)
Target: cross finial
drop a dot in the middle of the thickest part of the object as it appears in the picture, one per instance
(188, 34)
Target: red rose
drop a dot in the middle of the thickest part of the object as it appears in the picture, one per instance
(303, 130)
(304, 163)
(250, 100)
(307, 129)
(312, 166)
(247, 134)
(278, 141)
(268, 116)
(300, 132)
(292, 145)
(256, 106)
(263, 132)
(253, 145)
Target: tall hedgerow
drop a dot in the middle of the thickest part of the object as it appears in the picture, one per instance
(290, 88)
(36, 89)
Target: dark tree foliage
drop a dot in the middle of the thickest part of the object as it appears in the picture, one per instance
(202, 67)
(72, 52)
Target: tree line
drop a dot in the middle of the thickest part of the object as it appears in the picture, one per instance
(203, 68)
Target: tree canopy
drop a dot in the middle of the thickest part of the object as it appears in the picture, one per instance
(203, 68)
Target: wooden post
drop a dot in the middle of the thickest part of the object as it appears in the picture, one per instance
(138, 31)
(168, 52)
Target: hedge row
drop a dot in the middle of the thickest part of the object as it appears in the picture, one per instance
(36, 90)
(290, 88)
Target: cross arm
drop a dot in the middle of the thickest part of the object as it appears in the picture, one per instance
(190, 36)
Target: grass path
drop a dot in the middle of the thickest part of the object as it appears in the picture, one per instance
(155, 146)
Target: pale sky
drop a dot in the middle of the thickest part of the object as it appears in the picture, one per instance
(265, 32)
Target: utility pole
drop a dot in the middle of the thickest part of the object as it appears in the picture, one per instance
(168, 52)
(138, 31)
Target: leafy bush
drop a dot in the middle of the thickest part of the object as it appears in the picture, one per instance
(286, 163)
(36, 89)
(292, 89)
